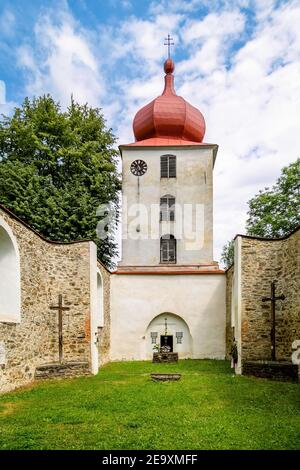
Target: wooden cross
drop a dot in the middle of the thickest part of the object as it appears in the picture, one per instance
(273, 299)
(168, 42)
(60, 309)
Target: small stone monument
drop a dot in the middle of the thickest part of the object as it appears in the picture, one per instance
(164, 354)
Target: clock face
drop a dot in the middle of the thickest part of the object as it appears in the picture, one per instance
(138, 167)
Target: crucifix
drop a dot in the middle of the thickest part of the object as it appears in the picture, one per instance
(165, 324)
(60, 309)
(168, 42)
(273, 299)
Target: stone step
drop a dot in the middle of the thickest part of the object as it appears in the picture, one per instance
(63, 370)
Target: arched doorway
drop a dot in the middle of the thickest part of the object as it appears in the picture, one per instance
(10, 286)
(172, 330)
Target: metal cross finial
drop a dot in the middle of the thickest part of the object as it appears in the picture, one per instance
(169, 42)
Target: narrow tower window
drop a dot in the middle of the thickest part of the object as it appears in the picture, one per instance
(168, 249)
(167, 208)
(168, 166)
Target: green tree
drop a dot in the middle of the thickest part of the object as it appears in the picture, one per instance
(57, 167)
(227, 256)
(275, 212)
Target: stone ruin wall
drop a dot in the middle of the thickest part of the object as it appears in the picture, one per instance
(262, 262)
(47, 270)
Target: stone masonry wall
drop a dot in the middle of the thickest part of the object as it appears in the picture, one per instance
(47, 270)
(264, 261)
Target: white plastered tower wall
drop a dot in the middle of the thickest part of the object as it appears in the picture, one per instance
(167, 285)
(193, 303)
(192, 189)
(198, 299)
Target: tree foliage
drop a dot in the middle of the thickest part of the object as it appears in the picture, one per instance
(57, 167)
(274, 212)
(227, 256)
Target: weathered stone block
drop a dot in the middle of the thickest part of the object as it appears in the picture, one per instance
(165, 357)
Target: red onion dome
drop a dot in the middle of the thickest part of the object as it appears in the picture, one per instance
(169, 115)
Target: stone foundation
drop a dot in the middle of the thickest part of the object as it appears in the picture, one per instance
(63, 371)
(284, 371)
(165, 377)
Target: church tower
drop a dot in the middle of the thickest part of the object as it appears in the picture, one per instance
(167, 291)
(168, 185)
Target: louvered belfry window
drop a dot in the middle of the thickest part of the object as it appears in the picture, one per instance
(168, 249)
(167, 208)
(168, 166)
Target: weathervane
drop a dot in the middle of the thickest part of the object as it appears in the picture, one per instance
(169, 42)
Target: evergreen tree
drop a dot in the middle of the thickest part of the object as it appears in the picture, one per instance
(57, 167)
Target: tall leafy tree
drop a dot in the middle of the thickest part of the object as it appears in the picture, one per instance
(273, 212)
(227, 256)
(57, 167)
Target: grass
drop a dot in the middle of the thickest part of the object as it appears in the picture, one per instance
(121, 408)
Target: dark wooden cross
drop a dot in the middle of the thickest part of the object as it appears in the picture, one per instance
(60, 309)
(273, 299)
(168, 42)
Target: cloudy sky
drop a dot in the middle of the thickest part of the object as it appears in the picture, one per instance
(238, 61)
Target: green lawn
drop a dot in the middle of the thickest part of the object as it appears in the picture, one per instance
(121, 408)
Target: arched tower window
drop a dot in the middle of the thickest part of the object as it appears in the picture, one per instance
(168, 249)
(167, 208)
(168, 166)
(10, 287)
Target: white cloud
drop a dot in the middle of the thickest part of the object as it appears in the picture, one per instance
(2, 92)
(250, 97)
(62, 61)
(7, 22)
(252, 112)
(6, 107)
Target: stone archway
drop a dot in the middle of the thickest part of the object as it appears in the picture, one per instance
(10, 284)
(177, 330)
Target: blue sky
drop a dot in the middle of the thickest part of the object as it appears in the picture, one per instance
(237, 61)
